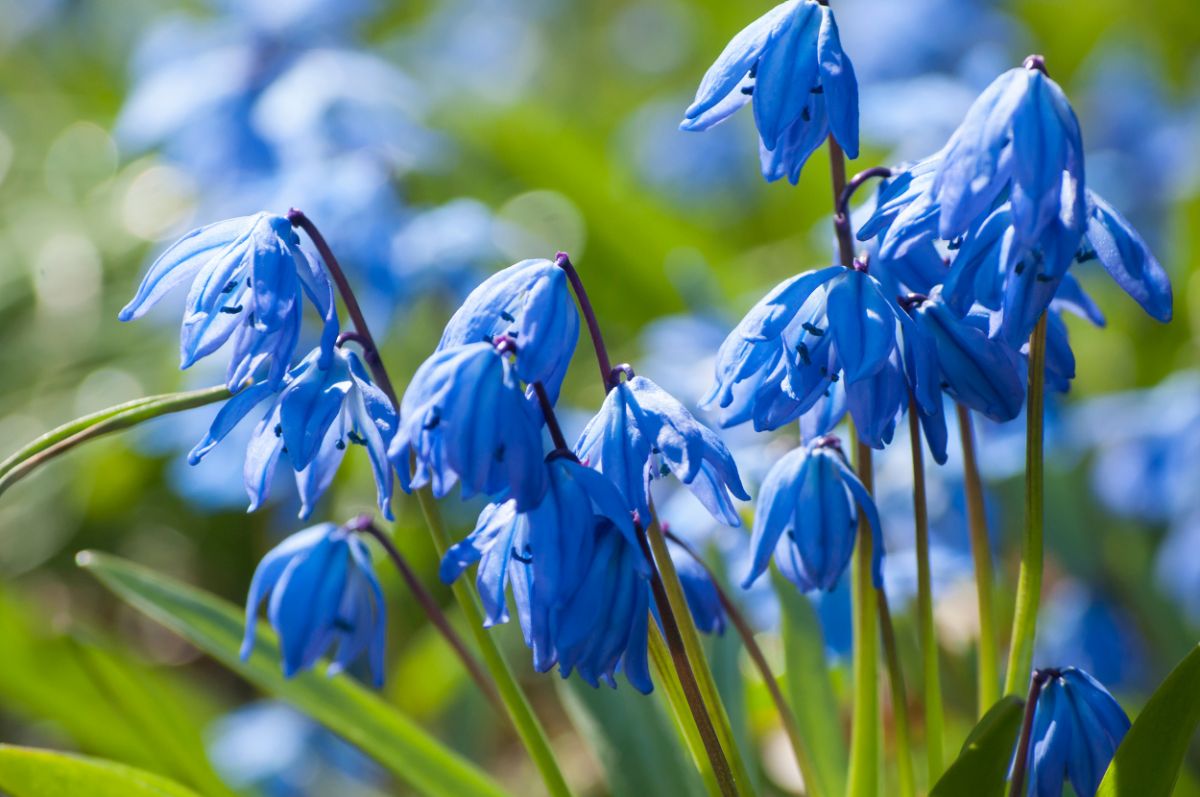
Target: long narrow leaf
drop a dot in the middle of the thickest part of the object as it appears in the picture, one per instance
(345, 707)
(25, 772)
(981, 769)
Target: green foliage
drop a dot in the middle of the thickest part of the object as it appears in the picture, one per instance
(981, 769)
(342, 705)
(1148, 761)
(25, 772)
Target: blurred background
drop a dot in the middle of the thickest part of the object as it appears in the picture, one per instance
(436, 141)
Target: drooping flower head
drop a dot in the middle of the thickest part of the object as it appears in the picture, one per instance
(642, 433)
(807, 518)
(791, 65)
(248, 278)
(530, 303)
(465, 419)
(1077, 726)
(311, 421)
(576, 569)
(810, 332)
(323, 594)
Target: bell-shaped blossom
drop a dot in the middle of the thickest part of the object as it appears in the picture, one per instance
(810, 332)
(791, 65)
(574, 565)
(642, 432)
(1077, 726)
(978, 372)
(529, 303)
(323, 594)
(312, 420)
(248, 278)
(807, 517)
(465, 418)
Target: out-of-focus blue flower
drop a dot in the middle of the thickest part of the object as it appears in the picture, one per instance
(811, 331)
(1077, 726)
(976, 371)
(807, 517)
(465, 418)
(531, 304)
(576, 569)
(642, 433)
(323, 592)
(248, 278)
(318, 413)
(703, 601)
(1079, 624)
(790, 61)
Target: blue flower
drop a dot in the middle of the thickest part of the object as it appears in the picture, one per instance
(810, 332)
(790, 61)
(248, 278)
(576, 569)
(807, 517)
(1077, 727)
(317, 414)
(530, 303)
(464, 418)
(323, 592)
(978, 372)
(642, 432)
(1127, 258)
(703, 600)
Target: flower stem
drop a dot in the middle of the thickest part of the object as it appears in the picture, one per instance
(563, 260)
(681, 710)
(803, 757)
(364, 525)
(864, 731)
(528, 728)
(59, 441)
(841, 221)
(1017, 784)
(668, 596)
(891, 656)
(934, 719)
(1029, 581)
(987, 664)
(556, 433)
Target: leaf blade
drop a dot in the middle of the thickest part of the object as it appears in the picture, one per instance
(982, 766)
(28, 772)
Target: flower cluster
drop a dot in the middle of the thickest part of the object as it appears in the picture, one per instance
(249, 278)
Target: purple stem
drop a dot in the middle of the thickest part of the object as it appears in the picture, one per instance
(563, 261)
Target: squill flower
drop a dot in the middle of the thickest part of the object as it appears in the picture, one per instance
(642, 433)
(312, 420)
(807, 518)
(323, 595)
(465, 419)
(530, 304)
(248, 278)
(1077, 726)
(790, 64)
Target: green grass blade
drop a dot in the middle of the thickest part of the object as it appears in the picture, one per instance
(981, 769)
(26, 772)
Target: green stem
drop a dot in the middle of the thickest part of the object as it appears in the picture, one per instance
(988, 661)
(891, 657)
(683, 640)
(524, 720)
(934, 719)
(864, 731)
(114, 419)
(1029, 581)
(681, 710)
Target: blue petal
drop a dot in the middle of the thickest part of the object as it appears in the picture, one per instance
(1126, 256)
(1038, 160)
(776, 510)
(235, 409)
(863, 325)
(839, 85)
(305, 602)
(981, 373)
(269, 571)
(866, 505)
(787, 75)
(824, 521)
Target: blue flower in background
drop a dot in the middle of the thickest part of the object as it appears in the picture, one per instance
(642, 433)
(576, 570)
(530, 303)
(1080, 624)
(703, 601)
(1077, 726)
(323, 593)
(790, 61)
(248, 280)
(808, 333)
(807, 518)
(464, 418)
(312, 420)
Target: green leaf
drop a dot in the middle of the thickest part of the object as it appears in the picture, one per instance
(25, 772)
(341, 704)
(981, 769)
(809, 686)
(1148, 762)
(633, 738)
